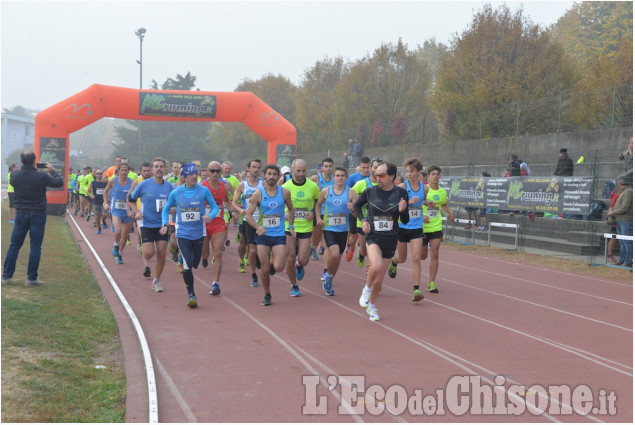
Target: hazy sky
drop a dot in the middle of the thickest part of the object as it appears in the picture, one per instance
(54, 49)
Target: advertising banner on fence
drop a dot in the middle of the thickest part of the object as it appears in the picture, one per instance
(556, 195)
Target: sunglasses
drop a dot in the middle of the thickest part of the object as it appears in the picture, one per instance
(381, 175)
(215, 170)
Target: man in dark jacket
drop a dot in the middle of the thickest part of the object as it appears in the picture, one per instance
(30, 204)
(565, 165)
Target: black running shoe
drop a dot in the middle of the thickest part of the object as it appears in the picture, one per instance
(267, 300)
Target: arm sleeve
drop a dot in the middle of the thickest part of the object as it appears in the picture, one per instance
(165, 213)
(361, 201)
(404, 216)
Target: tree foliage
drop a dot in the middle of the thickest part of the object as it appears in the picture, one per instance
(235, 140)
(501, 59)
(599, 38)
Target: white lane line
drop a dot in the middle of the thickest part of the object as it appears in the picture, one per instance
(153, 404)
(175, 392)
(294, 353)
(507, 379)
(595, 279)
(545, 285)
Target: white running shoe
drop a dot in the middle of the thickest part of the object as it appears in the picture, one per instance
(156, 286)
(363, 300)
(372, 313)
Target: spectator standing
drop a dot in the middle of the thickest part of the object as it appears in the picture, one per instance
(565, 165)
(347, 162)
(357, 151)
(30, 205)
(350, 152)
(514, 165)
(627, 156)
(623, 212)
(11, 194)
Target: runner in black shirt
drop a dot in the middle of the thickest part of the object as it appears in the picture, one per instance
(386, 203)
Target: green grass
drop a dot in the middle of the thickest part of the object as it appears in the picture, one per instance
(53, 336)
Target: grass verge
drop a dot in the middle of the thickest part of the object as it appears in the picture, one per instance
(54, 336)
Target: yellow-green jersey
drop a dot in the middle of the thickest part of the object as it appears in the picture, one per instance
(359, 188)
(80, 188)
(71, 177)
(439, 197)
(9, 187)
(234, 182)
(85, 183)
(303, 198)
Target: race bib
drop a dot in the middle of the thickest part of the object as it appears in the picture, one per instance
(247, 201)
(336, 219)
(432, 212)
(190, 214)
(271, 220)
(300, 214)
(160, 203)
(99, 191)
(120, 205)
(415, 212)
(382, 224)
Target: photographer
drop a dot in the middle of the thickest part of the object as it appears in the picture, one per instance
(30, 203)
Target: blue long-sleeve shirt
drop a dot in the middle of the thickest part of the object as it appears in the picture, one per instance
(188, 193)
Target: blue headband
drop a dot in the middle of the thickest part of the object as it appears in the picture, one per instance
(189, 169)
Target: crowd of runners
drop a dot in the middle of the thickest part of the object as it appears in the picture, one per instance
(284, 219)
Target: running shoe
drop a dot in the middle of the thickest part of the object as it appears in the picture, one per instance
(350, 253)
(321, 250)
(432, 288)
(94, 223)
(299, 272)
(372, 313)
(205, 262)
(215, 289)
(175, 257)
(323, 277)
(147, 272)
(247, 260)
(314, 255)
(267, 300)
(105, 225)
(156, 286)
(118, 259)
(360, 262)
(363, 300)
(226, 242)
(328, 286)
(392, 270)
(128, 242)
(112, 228)
(295, 291)
(115, 250)
(192, 302)
(610, 258)
(417, 295)
(241, 266)
(254, 282)
(98, 232)
(179, 268)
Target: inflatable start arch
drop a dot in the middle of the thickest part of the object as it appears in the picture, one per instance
(54, 124)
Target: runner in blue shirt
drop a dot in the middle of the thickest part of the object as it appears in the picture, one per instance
(153, 194)
(191, 217)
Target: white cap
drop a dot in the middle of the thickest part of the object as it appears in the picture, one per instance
(285, 170)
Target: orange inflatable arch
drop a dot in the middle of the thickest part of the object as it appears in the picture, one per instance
(54, 124)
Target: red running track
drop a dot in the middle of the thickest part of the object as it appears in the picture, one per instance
(232, 360)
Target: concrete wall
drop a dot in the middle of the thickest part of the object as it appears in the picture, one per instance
(541, 153)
